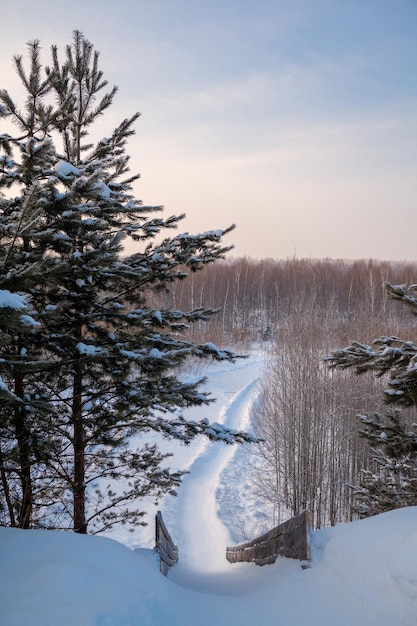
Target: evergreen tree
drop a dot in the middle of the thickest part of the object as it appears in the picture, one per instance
(101, 357)
(392, 435)
(23, 162)
(393, 484)
(14, 320)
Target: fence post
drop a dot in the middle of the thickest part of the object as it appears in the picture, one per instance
(164, 545)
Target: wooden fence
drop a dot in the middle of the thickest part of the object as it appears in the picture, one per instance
(290, 539)
(166, 548)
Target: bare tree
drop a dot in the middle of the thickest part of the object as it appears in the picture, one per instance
(311, 450)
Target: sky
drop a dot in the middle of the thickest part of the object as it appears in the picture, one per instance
(294, 119)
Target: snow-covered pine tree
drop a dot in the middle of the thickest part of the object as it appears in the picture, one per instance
(393, 484)
(16, 486)
(393, 435)
(25, 412)
(110, 355)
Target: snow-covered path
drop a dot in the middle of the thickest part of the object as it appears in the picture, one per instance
(192, 517)
(202, 535)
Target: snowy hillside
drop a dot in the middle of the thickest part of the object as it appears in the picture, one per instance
(362, 574)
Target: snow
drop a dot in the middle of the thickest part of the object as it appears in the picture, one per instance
(86, 349)
(27, 320)
(9, 300)
(4, 387)
(61, 237)
(12, 300)
(102, 190)
(63, 168)
(362, 573)
(158, 316)
(212, 348)
(154, 353)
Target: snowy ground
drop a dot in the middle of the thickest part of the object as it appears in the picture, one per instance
(361, 574)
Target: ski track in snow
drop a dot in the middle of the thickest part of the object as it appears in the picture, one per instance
(202, 535)
(192, 517)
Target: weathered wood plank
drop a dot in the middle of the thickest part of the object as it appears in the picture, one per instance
(289, 539)
(164, 545)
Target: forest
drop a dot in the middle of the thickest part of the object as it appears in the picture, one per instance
(255, 296)
(313, 454)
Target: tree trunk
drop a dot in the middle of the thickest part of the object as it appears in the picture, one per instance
(80, 522)
(6, 491)
(23, 445)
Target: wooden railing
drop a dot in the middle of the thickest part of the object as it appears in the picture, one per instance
(290, 539)
(166, 548)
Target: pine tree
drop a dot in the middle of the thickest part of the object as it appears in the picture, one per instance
(22, 262)
(392, 435)
(104, 357)
(393, 484)
(13, 320)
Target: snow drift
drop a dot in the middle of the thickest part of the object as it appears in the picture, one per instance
(361, 573)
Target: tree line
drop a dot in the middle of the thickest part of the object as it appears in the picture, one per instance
(253, 296)
(315, 453)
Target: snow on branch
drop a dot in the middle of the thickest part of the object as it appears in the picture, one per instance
(65, 169)
(403, 293)
(388, 352)
(5, 391)
(12, 300)
(184, 430)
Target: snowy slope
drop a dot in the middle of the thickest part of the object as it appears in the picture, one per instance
(362, 574)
